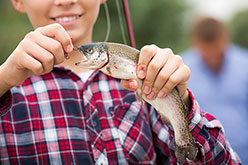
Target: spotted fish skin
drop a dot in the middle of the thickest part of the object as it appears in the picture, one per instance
(120, 61)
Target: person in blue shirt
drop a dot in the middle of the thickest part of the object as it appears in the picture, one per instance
(219, 79)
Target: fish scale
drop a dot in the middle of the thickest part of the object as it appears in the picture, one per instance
(120, 61)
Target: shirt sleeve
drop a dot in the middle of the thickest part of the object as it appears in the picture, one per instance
(5, 103)
(207, 132)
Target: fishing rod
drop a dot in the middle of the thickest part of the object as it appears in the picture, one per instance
(129, 23)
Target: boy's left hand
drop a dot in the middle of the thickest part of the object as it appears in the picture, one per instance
(161, 71)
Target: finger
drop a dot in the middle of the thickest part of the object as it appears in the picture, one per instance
(182, 86)
(57, 32)
(42, 55)
(31, 64)
(179, 78)
(146, 54)
(154, 67)
(169, 68)
(51, 45)
(130, 85)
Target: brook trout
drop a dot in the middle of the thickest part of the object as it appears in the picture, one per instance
(120, 61)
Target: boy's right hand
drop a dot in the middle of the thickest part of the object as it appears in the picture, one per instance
(36, 54)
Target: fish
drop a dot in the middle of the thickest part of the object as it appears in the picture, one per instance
(120, 61)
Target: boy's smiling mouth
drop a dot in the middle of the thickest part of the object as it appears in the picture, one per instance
(66, 18)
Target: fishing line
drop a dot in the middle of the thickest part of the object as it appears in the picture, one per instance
(121, 22)
(108, 22)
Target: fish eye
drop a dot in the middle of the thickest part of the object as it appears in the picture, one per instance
(90, 51)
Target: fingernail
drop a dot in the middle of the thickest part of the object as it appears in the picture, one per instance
(69, 48)
(133, 84)
(141, 74)
(161, 94)
(151, 95)
(72, 39)
(146, 90)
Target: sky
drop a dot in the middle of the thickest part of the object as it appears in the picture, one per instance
(220, 9)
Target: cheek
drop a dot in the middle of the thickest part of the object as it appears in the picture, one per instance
(92, 9)
(37, 11)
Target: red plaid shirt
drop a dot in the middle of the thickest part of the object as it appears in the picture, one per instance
(58, 119)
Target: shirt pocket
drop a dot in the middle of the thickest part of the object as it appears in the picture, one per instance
(134, 132)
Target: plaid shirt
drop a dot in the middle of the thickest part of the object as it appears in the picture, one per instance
(57, 119)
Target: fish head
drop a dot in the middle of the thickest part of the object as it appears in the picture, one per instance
(95, 55)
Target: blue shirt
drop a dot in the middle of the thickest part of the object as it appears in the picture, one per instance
(224, 95)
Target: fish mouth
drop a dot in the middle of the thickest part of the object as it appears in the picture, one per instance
(85, 63)
(93, 58)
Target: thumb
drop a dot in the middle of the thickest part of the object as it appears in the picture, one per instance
(131, 85)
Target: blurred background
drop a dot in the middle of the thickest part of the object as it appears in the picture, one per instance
(164, 22)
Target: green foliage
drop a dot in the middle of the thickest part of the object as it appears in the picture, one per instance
(13, 28)
(100, 28)
(160, 22)
(239, 28)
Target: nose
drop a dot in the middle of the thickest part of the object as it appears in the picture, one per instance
(64, 2)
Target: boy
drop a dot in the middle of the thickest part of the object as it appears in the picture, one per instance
(53, 112)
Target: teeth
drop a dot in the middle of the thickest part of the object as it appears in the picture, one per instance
(66, 19)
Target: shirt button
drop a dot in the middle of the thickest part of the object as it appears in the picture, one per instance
(93, 123)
